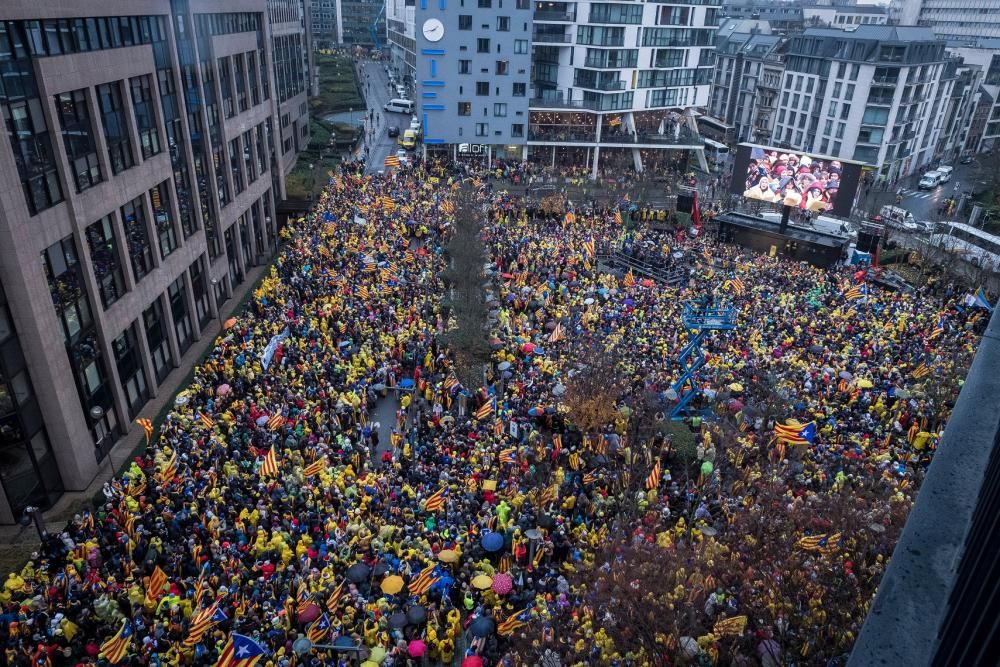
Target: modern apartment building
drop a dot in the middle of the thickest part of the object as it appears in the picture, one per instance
(138, 179)
(348, 23)
(325, 26)
(401, 31)
(746, 84)
(877, 94)
(290, 30)
(983, 129)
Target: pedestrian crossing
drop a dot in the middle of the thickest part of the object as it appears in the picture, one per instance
(918, 194)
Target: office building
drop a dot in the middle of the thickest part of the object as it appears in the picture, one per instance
(783, 17)
(348, 23)
(747, 80)
(951, 19)
(983, 127)
(876, 94)
(290, 30)
(400, 19)
(139, 172)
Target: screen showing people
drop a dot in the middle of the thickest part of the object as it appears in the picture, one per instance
(793, 179)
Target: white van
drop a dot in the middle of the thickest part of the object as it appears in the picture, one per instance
(929, 181)
(944, 173)
(399, 105)
(894, 216)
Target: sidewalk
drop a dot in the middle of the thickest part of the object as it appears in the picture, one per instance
(17, 542)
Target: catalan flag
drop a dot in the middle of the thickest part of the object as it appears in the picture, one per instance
(570, 218)
(169, 469)
(391, 161)
(557, 334)
(857, 292)
(240, 651)
(590, 247)
(423, 582)
(147, 427)
(333, 600)
(512, 623)
(318, 630)
(302, 599)
(388, 205)
(653, 479)
(451, 383)
(154, 587)
(614, 121)
(556, 444)
(590, 477)
(206, 420)
(362, 292)
(435, 502)
(316, 467)
(549, 495)
(136, 487)
(938, 330)
(730, 626)
(269, 466)
(202, 623)
(486, 409)
(508, 456)
(115, 649)
(737, 285)
(796, 433)
(618, 217)
(276, 421)
(920, 371)
(824, 544)
(629, 279)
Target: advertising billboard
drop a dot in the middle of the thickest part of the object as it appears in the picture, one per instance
(816, 183)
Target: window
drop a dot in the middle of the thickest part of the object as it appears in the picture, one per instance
(875, 116)
(156, 338)
(832, 111)
(828, 127)
(523, 4)
(199, 289)
(519, 89)
(517, 130)
(602, 36)
(503, 24)
(520, 46)
(31, 144)
(177, 293)
(129, 362)
(836, 89)
(137, 238)
(836, 148)
(65, 280)
(145, 121)
(482, 129)
(608, 13)
(482, 45)
(485, 4)
(235, 165)
(463, 66)
(850, 91)
(465, 108)
(166, 236)
(840, 130)
(78, 139)
(502, 67)
(482, 87)
(105, 260)
(115, 131)
(465, 21)
(500, 109)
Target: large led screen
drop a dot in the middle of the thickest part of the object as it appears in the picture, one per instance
(820, 184)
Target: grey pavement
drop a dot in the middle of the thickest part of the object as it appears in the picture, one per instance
(17, 542)
(375, 85)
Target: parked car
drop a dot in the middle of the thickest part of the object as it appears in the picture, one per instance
(944, 173)
(929, 181)
(408, 140)
(968, 159)
(393, 131)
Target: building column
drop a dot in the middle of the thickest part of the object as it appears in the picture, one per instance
(168, 322)
(191, 308)
(146, 357)
(637, 160)
(597, 157)
(699, 153)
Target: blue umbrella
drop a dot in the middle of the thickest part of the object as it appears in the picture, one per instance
(344, 641)
(406, 384)
(493, 541)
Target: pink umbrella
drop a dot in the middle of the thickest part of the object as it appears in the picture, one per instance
(472, 661)
(416, 648)
(528, 348)
(223, 389)
(502, 583)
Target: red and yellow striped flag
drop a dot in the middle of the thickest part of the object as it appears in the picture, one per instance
(653, 480)
(154, 587)
(276, 421)
(315, 468)
(147, 427)
(435, 502)
(269, 466)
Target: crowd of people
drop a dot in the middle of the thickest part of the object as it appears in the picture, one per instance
(494, 521)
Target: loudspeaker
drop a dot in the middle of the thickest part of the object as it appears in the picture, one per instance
(868, 242)
(685, 203)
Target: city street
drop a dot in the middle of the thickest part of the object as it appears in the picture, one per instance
(923, 204)
(375, 86)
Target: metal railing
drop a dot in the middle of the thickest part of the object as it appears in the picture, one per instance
(547, 38)
(555, 16)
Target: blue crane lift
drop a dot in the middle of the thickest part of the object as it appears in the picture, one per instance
(700, 320)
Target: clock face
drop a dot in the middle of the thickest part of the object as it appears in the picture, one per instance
(433, 30)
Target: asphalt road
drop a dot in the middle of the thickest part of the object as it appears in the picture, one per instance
(923, 204)
(377, 93)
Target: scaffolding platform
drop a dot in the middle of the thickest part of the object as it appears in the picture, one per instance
(700, 320)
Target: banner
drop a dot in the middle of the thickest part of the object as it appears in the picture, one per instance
(272, 347)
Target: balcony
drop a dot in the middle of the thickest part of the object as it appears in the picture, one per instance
(601, 85)
(880, 100)
(549, 38)
(567, 16)
(561, 134)
(556, 102)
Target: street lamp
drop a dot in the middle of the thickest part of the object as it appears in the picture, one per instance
(33, 514)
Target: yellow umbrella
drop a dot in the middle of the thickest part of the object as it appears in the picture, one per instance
(482, 581)
(369, 663)
(392, 585)
(865, 384)
(736, 386)
(448, 556)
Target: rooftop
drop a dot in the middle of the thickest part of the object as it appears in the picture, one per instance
(881, 33)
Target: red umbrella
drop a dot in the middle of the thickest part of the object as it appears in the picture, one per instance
(528, 348)
(309, 614)
(502, 583)
(416, 648)
(472, 661)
